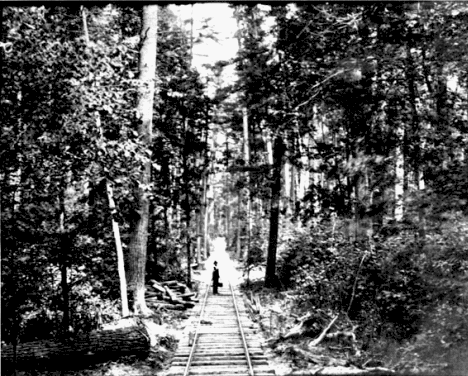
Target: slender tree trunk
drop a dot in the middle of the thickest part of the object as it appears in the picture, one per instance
(118, 247)
(239, 226)
(317, 177)
(11, 246)
(85, 24)
(199, 229)
(293, 188)
(139, 237)
(278, 152)
(115, 225)
(186, 205)
(269, 146)
(399, 174)
(116, 232)
(205, 215)
(266, 134)
(287, 174)
(304, 172)
(416, 136)
(64, 260)
(247, 163)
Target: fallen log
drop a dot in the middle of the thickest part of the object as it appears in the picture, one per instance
(189, 304)
(150, 294)
(169, 283)
(157, 286)
(187, 296)
(170, 302)
(153, 299)
(170, 293)
(181, 287)
(343, 371)
(75, 352)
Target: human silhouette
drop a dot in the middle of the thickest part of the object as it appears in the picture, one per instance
(215, 278)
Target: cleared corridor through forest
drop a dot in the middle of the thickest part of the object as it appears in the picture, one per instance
(220, 337)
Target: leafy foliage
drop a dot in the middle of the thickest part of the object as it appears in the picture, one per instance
(68, 102)
(399, 294)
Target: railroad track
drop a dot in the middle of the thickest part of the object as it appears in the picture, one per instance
(223, 340)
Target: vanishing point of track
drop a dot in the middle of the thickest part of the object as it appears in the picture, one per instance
(222, 341)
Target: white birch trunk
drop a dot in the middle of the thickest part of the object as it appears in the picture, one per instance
(116, 232)
(120, 255)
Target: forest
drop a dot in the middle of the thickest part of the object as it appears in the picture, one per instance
(334, 165)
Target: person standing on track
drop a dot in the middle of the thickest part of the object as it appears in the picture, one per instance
(215, 278)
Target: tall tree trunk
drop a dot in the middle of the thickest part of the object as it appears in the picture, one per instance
(294, 174)
(64, 260)
(269, 146)
(278, 152)
(415, 133)
(317, 176)
(205, 215)
(287, 176)
(399, 174)
(186, 204)
(139, 237)
(239, 226)
(85, 24)
(115, 225)
(199, 229)
(304, 174)
(245, 121)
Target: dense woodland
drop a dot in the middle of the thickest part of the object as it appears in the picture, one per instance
(336, 164)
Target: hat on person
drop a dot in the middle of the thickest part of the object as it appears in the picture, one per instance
(216, 262)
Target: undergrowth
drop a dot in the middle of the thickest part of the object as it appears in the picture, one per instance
(407, 301)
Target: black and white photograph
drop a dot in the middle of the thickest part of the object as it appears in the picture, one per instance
(237, 188)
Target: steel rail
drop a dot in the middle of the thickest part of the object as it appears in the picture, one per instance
(195, 337)
(244, 342)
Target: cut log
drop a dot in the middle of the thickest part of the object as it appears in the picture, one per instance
(189, 304)
(187, 296)
(177, 301)
(150, 294)
(181, 287)
(153, 299)
(343, 371)
(157, 286)
(171, 294)
(169, 283)
(93, 347)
